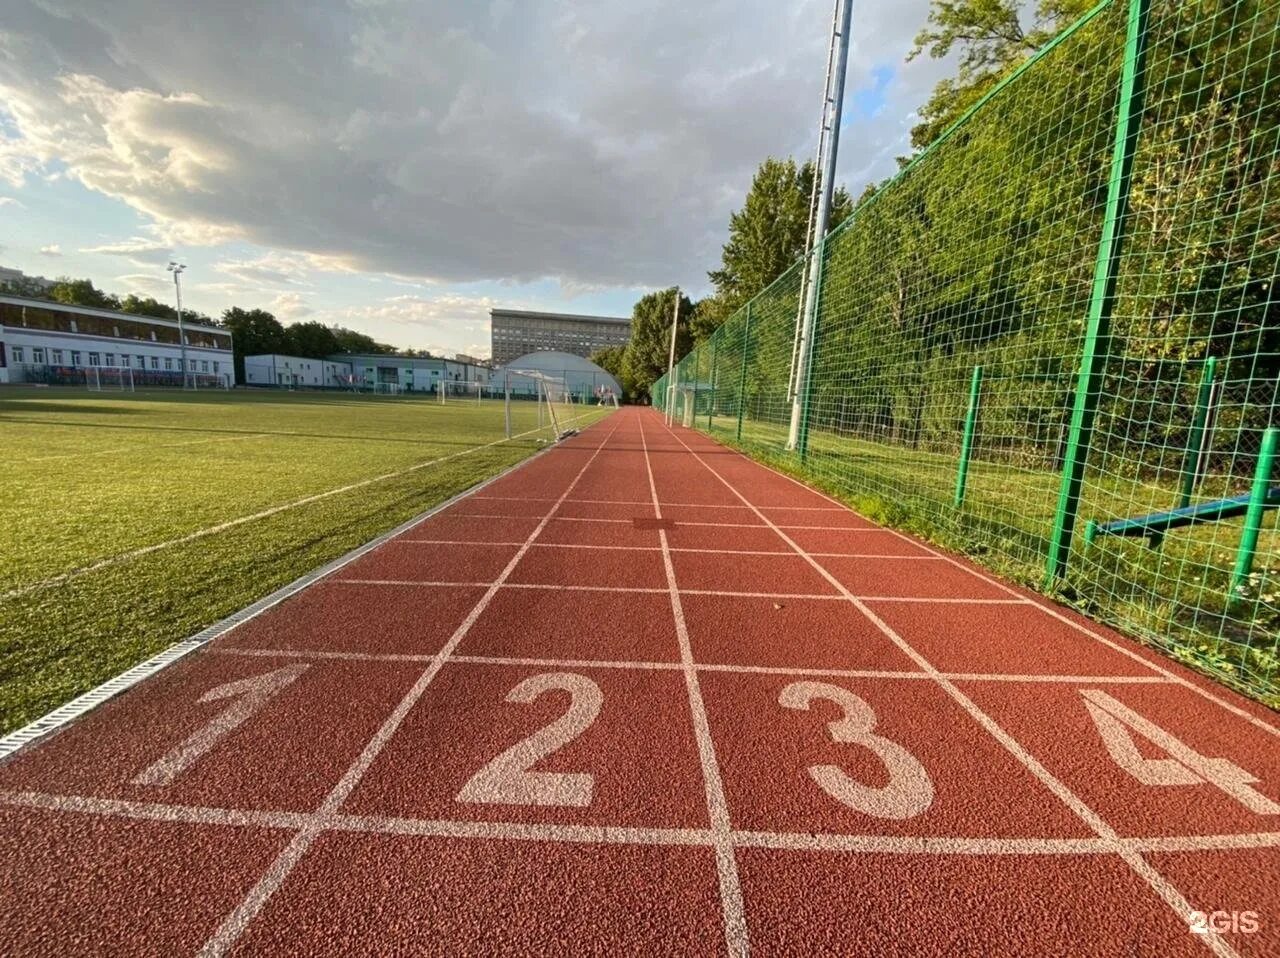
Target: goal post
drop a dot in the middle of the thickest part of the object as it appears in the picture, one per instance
(553, 394)
(114, 378)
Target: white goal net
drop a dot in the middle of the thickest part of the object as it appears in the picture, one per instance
(108, 379)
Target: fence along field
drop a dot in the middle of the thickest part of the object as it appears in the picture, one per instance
(1036, 272)
(133, 522)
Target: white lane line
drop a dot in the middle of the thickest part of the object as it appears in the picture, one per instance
(611, 834)
(780, 596)
(718, 552)
(735, 920)
(233, 926)
(1172, 897)
(733, 668)
(154, 811)
(1049, 609)
(73, 574)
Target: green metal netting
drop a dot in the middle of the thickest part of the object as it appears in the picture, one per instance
(1059, 317)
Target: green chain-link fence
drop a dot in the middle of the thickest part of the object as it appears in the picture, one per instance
(1053, 339)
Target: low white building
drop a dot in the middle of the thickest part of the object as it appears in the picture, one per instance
(54, 344)
(277, 369)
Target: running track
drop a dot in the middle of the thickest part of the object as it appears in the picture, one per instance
(644, 695)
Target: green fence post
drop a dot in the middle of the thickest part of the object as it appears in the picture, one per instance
(1102, 298)
(742, 376)
(1257, 506)
(1195, 440)
(806, 384)
(711, 405)
(966, 444)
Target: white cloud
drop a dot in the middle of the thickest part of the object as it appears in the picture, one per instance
(145, 284)
(132, 247)
(53, 249)
(601, 144)
(10, 201)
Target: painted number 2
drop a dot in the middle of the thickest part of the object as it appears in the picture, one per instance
(909, 791)
(1116, 723)
(507, 780)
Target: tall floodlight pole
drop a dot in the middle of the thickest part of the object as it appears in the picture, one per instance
(176, 269)
(832, 105)
(671, 361)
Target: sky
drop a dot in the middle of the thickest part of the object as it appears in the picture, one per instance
(400, 166)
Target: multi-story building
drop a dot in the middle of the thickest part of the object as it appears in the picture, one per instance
(516, 332)
(43, 342)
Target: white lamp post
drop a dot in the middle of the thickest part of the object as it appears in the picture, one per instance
(176, 269)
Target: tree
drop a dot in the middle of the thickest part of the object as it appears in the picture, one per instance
(255, 332)
(349, 341)
(613, 360)
(312, 339)
(150, 307)
(992, 42)
(766, 237)
(81, 292)
(648, 350)
(26, 286)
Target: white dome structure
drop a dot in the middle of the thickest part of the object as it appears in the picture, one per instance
(581, 376)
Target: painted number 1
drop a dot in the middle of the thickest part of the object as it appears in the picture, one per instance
(1116, 723)
(250, 695)
(909, 791)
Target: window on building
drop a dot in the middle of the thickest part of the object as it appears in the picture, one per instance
(17, 354)
(111, 359)
(204, 365)
(168, 363)
(215, 365)
(75, 357)
(124, 360)
(155, 362)
(57, 357)
(95, 359)
(142, 362)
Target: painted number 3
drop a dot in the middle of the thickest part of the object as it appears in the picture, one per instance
(909, 790)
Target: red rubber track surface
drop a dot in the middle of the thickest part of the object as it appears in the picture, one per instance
(643, 695)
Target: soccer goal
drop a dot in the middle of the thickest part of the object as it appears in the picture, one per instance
(556, 405)
(108, 379)
(456, 390)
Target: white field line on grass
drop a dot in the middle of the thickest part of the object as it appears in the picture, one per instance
(64, 577)
(69, 712)
(144, 448)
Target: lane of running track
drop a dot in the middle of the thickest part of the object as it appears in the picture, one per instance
(644, 694)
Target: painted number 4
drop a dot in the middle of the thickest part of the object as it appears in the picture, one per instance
(1117, 723)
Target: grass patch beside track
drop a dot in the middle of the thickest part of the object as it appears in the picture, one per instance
(89, 481)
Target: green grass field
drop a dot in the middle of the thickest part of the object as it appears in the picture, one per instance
(1176, 597)
(131, 522)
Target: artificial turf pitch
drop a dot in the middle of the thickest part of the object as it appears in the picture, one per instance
(131, 521)
(644, 695)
